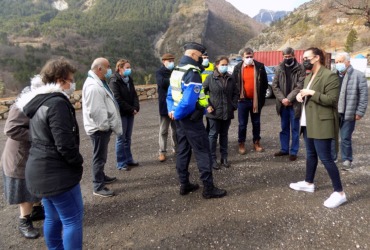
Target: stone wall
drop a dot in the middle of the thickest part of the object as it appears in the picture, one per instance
(144, 92)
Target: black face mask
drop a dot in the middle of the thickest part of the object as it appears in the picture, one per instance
(307, 64)
(200, 60)
(288, 61)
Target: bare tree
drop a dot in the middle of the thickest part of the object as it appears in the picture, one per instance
(360, 8)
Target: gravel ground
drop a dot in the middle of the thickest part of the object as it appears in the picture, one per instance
(260, 211)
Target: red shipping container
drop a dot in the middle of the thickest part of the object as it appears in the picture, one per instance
(275, 57)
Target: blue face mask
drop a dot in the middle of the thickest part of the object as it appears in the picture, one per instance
(222, 69)
(205, 62)
(127, 72)
(340, 67)
(108, 74)
(170, 65)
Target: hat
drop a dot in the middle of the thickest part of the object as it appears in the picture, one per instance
(168, 56)
(205, 54)
(196, 46)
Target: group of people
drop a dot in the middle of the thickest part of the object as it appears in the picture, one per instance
(310, 99)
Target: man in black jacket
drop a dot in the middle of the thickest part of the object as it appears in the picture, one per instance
(251, 79)
(162, 76)
(288, 81)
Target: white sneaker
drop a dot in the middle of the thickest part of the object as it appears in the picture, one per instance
(347, 165)
(335, 200)
(302, 186)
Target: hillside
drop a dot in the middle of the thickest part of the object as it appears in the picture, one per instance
(139, 30)
(316, 23)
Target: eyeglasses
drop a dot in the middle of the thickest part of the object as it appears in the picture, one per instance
(306, 58)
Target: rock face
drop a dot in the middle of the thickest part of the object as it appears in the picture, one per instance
(269, 16)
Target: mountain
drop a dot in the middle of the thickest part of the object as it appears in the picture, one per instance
(319, 23)
(138, 30)
(269, 16)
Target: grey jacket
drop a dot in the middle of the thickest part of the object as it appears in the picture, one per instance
(279, 86)
(353, 94)
(99, 108)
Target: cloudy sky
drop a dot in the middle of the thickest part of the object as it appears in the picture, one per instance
(251, 8)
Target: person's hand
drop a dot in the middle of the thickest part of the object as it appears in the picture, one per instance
(286, 102)
(210, 109)
(307, 92)
(135, 112)
(299, 97)
(357, 117)
(171, 115)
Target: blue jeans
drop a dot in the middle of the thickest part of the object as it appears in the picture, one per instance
(123, 142)
(346, 130)
(321, 148)
(100, 140)
(218, 127)
(288, 121)
(63, 219)
(245, 107)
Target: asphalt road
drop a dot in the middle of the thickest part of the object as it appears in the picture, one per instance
(260, 211)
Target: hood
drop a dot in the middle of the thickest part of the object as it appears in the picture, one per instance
(29, 102)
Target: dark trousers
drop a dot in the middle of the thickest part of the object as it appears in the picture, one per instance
(245, 107)
(192, 135)
(100, 141)
(321, 148)
(218, 127)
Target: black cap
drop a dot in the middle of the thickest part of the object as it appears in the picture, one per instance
(196, 46)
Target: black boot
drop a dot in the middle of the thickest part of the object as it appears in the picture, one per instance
(26, 228)
(215, 165)
(37, 213)
(225, 163)
(188, 188)
(210, 191)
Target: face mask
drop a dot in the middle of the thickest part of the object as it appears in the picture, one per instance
(108, 74)
(307, 64)
(205, 62)
(170, 65)
(127, 72)
(248, 61)
(288, 61)
(72, 88)
(340, 67)
(222, 69)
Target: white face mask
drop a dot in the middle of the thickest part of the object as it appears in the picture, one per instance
(248, 61)
(205, 62)
(72, 88)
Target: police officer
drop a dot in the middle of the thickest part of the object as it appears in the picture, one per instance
(186, 105)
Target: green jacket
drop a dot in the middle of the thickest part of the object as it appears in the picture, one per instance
(321, 108)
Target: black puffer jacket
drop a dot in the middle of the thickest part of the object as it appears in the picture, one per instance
(126, 97)
(55, 164)
(223, 95)
(162, 76)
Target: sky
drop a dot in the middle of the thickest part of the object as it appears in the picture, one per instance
(251, 8)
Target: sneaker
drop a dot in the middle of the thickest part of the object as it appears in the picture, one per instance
(109, 180)
(124, 168)
(280, 153)
(347, 165)
(162, 157)
(335, 200)
(133, 164)
(188, 188)
(302, 186)
(105, 192)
